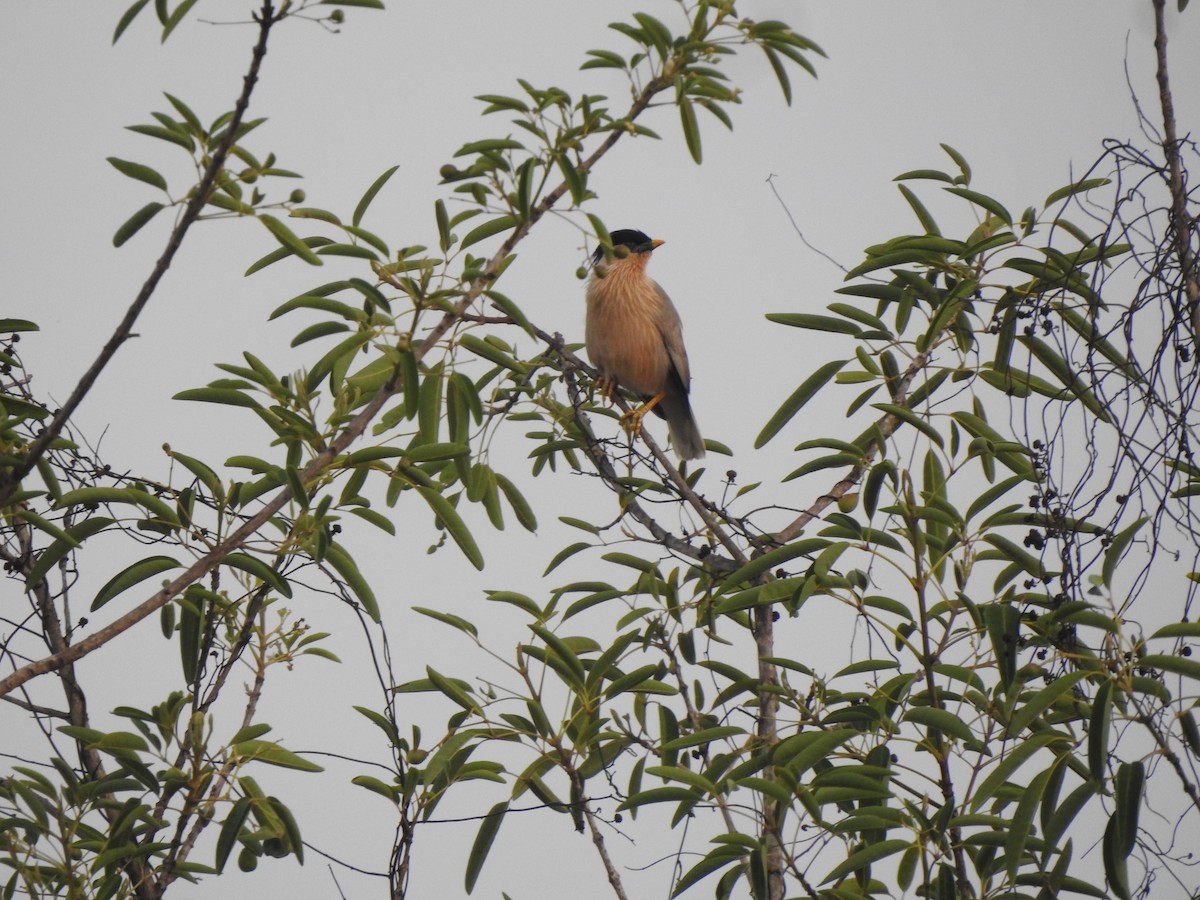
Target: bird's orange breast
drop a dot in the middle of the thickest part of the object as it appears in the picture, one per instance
(623, 334)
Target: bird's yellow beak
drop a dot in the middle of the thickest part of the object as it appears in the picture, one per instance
(656, 243)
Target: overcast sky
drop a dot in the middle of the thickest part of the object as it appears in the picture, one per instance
(1026, 91)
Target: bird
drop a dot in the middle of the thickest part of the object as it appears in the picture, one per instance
(634, 337)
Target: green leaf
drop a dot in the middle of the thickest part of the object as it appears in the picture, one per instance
(1077, 187)
(1178, 630)
(805, 392)
(228, 396)
(800, 752)
(984, 202)
(927, 221)
(361, 209)
(486, 835)
(1021, 826)
(1013, 760)
(1177, 665)
(1116, 550)
(138, 172)
(1041, 701)
(131, 575)
(862, 858)
(343, 563)
(944, 721)
(135, 222)
(289, 240)
(770, 560)
(176, 17)
(488, 229)
(1099, 726)
(230, 829)
(274, 755)
(452, 689)
(127, 18)
(255, 567)
(705, 736)
(453, 524)
(10, 326)
(691, 130)
(89, 496)
(815, 323)
(450, 619)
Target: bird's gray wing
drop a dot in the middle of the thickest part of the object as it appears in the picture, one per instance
(671, 329)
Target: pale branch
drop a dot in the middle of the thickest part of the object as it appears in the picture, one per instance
(8, 483)
(614, 877)
(608, 473)
(1181, 223)
(323, 460)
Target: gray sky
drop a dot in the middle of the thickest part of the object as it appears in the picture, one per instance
(1026, 91)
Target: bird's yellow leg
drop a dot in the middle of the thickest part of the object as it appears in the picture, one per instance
(632, 420)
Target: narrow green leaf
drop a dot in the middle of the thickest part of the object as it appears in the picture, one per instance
(450, 619)
(289, 240)
(361, 209)
(860, 859)
(927, 221)
(343, 563)
(134, 223)
(1041, 701)
(1098, 731)
(488, 229)
(984, 202)
(127, 18)
(1077, 187)
(705, 736)
(906, 415)
(815, 323)
(770, 560)
(256, 568)
(488, 829)
(1178, 630)
(943, 720)
(1116, 550)
(138, 172)
(274, 755)
(453, 524)
(131, 575)
(1021, 827)
(176, 17)
(691, 130)
(805, 392)
(452, 689)
(1011, 761)
(230, 829)
(1177, 665)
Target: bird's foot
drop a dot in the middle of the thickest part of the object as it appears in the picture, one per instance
(632, 420)
(607, 386)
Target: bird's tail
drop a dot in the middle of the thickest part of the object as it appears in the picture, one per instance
(685, 433)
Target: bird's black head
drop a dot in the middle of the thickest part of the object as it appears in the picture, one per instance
(636, 241)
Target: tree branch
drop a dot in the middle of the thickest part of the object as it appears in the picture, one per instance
(352, 432)
(1181, 223)
(9, 482)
